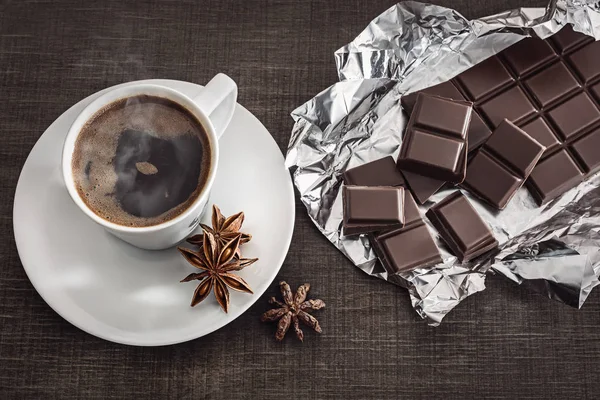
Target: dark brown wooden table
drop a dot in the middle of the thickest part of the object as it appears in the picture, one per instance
(502, 343)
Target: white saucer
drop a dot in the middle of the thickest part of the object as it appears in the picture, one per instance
(131, 296)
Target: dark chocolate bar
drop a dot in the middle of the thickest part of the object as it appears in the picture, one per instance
(461, 228)
(435, 140)
(369, 208)
(409, 247)
(382, 172)
(502, 164)
(551, 89)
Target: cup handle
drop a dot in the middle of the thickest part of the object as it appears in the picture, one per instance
(217, 100)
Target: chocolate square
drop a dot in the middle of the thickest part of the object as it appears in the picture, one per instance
(491, 181)
(461, 228)
(554, 176)
(407, 248)
(528, 55)
(372, 208)
(540, 131)
(586, 62)
(485, 78)
(512, 105)
(567, 39)
(587, 150)
(563, 83)
(574, 115)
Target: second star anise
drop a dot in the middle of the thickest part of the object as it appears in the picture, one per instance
(217, 264)
(294, 309)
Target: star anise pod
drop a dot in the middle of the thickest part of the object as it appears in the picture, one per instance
(216, 263)
(293, 309)
(223, 229)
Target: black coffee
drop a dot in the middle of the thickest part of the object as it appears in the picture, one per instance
(141, 161)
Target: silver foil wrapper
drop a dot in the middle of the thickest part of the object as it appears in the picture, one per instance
(554, 249)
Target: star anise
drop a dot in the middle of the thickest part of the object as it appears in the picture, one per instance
(216, 263)
(223, 229)
(295, 308)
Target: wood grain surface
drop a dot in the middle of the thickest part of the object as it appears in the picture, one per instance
(503, 343)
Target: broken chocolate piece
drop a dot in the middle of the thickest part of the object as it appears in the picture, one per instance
(369, 208)
(407, 248)
(382, 172)
(422, 187)
(461, 228)
(502, 165)
(435, 141)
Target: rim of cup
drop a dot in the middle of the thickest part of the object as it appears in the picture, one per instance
(122, 93)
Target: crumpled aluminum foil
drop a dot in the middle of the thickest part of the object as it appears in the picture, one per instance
(554, 249)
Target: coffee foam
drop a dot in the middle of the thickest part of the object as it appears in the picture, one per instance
(98, 141)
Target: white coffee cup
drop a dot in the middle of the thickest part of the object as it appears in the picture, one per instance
(213, 107)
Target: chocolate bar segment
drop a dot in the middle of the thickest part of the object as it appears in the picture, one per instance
(554, 176)
(527, 55)
(512, 104)
(540, 131)
(382, 172)
(409, 247)
(461, 228)
(478, 130)
(485, 79)
(562, 84)
(370, 209)
(502, 165)
(587, 151)
(586, 62)
(434, 143)
(567, 39)
(575, 115)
